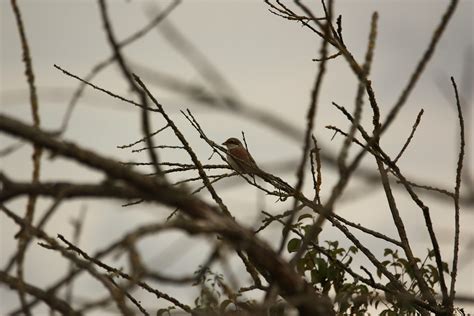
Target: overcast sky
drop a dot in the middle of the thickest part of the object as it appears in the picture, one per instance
(268, 62)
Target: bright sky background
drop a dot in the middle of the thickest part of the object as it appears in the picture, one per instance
(268, 62)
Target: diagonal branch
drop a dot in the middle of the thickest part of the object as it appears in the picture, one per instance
(295, 289)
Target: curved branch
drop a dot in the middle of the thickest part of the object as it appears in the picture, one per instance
(68, 190)
(293, 287)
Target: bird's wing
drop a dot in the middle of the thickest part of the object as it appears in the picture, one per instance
(242, 154)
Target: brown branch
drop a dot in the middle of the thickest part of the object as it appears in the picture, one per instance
(66, 190)
(51, 300)
(424, 288)
(417, 122)
(310, 121)
(36, 157)
(457, 189)
(341, 159)
(346, 174)
(117, 272)
(7, 150)
(373, 142)
(259, 253)
(42, 222)
(316, 174)
(145, 120)
(77, 224)
(114, 291)
(136, 234)
(317, 208)
(200, 169)
(403, 295)
(114, 95)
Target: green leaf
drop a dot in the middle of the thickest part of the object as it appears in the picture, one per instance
(163, 311)
(353, 249)
(322, 265)
(293, 245)
(431, 253)
(316, 277)
(300, 266)
(379, 273)
(434, 273)
(339, 252)
(304, 216)
(348, 262)
(306, 228)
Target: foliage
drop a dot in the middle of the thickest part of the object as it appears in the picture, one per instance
(326, 267)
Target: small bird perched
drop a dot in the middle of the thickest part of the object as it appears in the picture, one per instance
(239, 158)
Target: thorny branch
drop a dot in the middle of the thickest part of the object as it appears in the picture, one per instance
(23, 237)
(197, 216)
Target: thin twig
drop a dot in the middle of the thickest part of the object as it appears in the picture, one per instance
(145, 119)
(143, 139)
(341, 159)
(310, 122)
(417, 122)
(457, 189)
(5, 151)
(373, 142)
(77, 224)
(103, 90)
(317, 176)
(200, 169)
(36, 157)
(51, 300)
(124, 275)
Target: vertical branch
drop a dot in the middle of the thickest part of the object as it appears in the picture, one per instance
(384, 176)
(36, 157)
(202, 173)
(187, 147)
(310, 119)
(457, 188)
(424, 288)
(41, 223)
(373, 142)
(341, 160)
(317, 181)
(133, 86)
(346, 172)
(417, 122)
(77, 224)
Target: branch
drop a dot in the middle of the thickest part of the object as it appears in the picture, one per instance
(36, 157)
(259, 253)
(457, 189)
(51, 300)
(67, 190)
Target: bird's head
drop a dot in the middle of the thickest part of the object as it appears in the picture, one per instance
(232, 143)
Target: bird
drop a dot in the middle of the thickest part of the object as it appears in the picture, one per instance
(239, 158)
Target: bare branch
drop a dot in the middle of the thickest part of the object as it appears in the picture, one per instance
(457, 189)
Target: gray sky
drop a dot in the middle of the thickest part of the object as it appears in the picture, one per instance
(268, 62)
